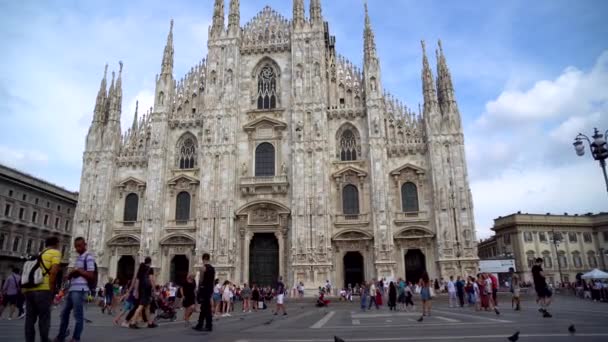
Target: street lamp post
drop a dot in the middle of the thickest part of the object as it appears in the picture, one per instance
(599, 149)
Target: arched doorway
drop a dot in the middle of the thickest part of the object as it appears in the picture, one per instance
(415, 265)
(180, 266)
(264, 259)
(353, 269)
(125, 269)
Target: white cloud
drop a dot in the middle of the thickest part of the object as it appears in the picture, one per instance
(520, 150)
(21, 158)
(574, 92)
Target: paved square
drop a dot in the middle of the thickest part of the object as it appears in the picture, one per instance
(305, 323)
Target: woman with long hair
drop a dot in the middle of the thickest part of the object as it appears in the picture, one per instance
(216, 300)
(425, 294)
(255, 297)
(246, 294)
(144, 283)
(188, 297)
(226, 289)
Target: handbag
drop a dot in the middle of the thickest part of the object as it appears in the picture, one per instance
(431, 292)
(260, 305)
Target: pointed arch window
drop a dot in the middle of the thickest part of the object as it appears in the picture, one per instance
(348, 146)
(131, 206)
(350, 200)
(264, 160)
(267, 88)
(186, 153)
(409, 197)
(182, 208)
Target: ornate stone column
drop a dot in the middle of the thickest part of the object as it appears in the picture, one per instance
(279, 235)
(245, 257)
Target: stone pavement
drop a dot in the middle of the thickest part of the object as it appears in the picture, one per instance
(305, 323)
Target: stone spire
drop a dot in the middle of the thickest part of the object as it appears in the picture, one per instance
(167, 64)
(134, 126)
(116, 96)
(445, 89)
(217, 27)
(101, 97)
(108, 103)
(428, 85)
(316, 15)
(234, 17)
(298, 12)
(369, 39)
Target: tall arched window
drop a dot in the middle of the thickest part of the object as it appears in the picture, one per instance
(182, 207)
(530, 258)
(16, 242)
(348, 146)
(131, 205)
(186, 153)
(547, 262)
(264, 160)
(267, 88)
(562, 259)
(591, 259)
(576, 259)
(409, 197)
(350, 200)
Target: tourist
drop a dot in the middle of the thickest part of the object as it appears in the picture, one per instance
(255, 297)
(172, 293)
(425, 294)
(364, 292)
(542, 290)
(301, 289)
(392, 297)
(128, 300)
(205, 291)
(12, 291)
(451, 292)
(39, 298)
(494, 281)
(460, 290)
(372, 295)
(144, 283)
(108, 297)
(246, 294)
(280, 292)
(409, 296)
(217, 298)
(187, 292)
(515, 289)
(328, 286)
(81, 278)
(401, 294)
(226, 298)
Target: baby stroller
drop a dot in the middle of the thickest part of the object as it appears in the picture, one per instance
(166, 310)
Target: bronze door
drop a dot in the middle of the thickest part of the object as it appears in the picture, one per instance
(264, 260)
(415, 265)
(353, 269)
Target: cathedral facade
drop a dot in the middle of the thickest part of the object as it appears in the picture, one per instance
(278, 156)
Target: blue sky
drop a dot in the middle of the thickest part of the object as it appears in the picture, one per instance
(529, 75)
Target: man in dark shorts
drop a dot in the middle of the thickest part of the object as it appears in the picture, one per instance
(542, 290)
(205, 290)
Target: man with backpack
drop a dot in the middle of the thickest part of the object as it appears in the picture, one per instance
(39, 289)
(82, 279)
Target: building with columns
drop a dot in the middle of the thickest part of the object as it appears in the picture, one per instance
(32, 211)
(568, 244)
(278, 156)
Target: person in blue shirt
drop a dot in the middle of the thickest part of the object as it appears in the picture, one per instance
(84, 270)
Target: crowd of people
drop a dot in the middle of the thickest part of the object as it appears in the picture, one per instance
(143, 301)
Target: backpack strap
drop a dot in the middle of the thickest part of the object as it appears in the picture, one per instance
(41, 263)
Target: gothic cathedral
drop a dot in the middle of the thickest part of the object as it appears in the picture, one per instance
(278, 156)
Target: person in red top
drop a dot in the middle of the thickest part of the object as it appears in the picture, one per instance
(494, 288)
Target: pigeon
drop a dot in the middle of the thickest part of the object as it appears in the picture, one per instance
(268, 322)
(497, 312)
(572, 329)
(514, 337)
(420, 319)
(337, 339)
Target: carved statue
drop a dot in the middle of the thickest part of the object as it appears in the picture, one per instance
(244, 169)
(284, 168)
